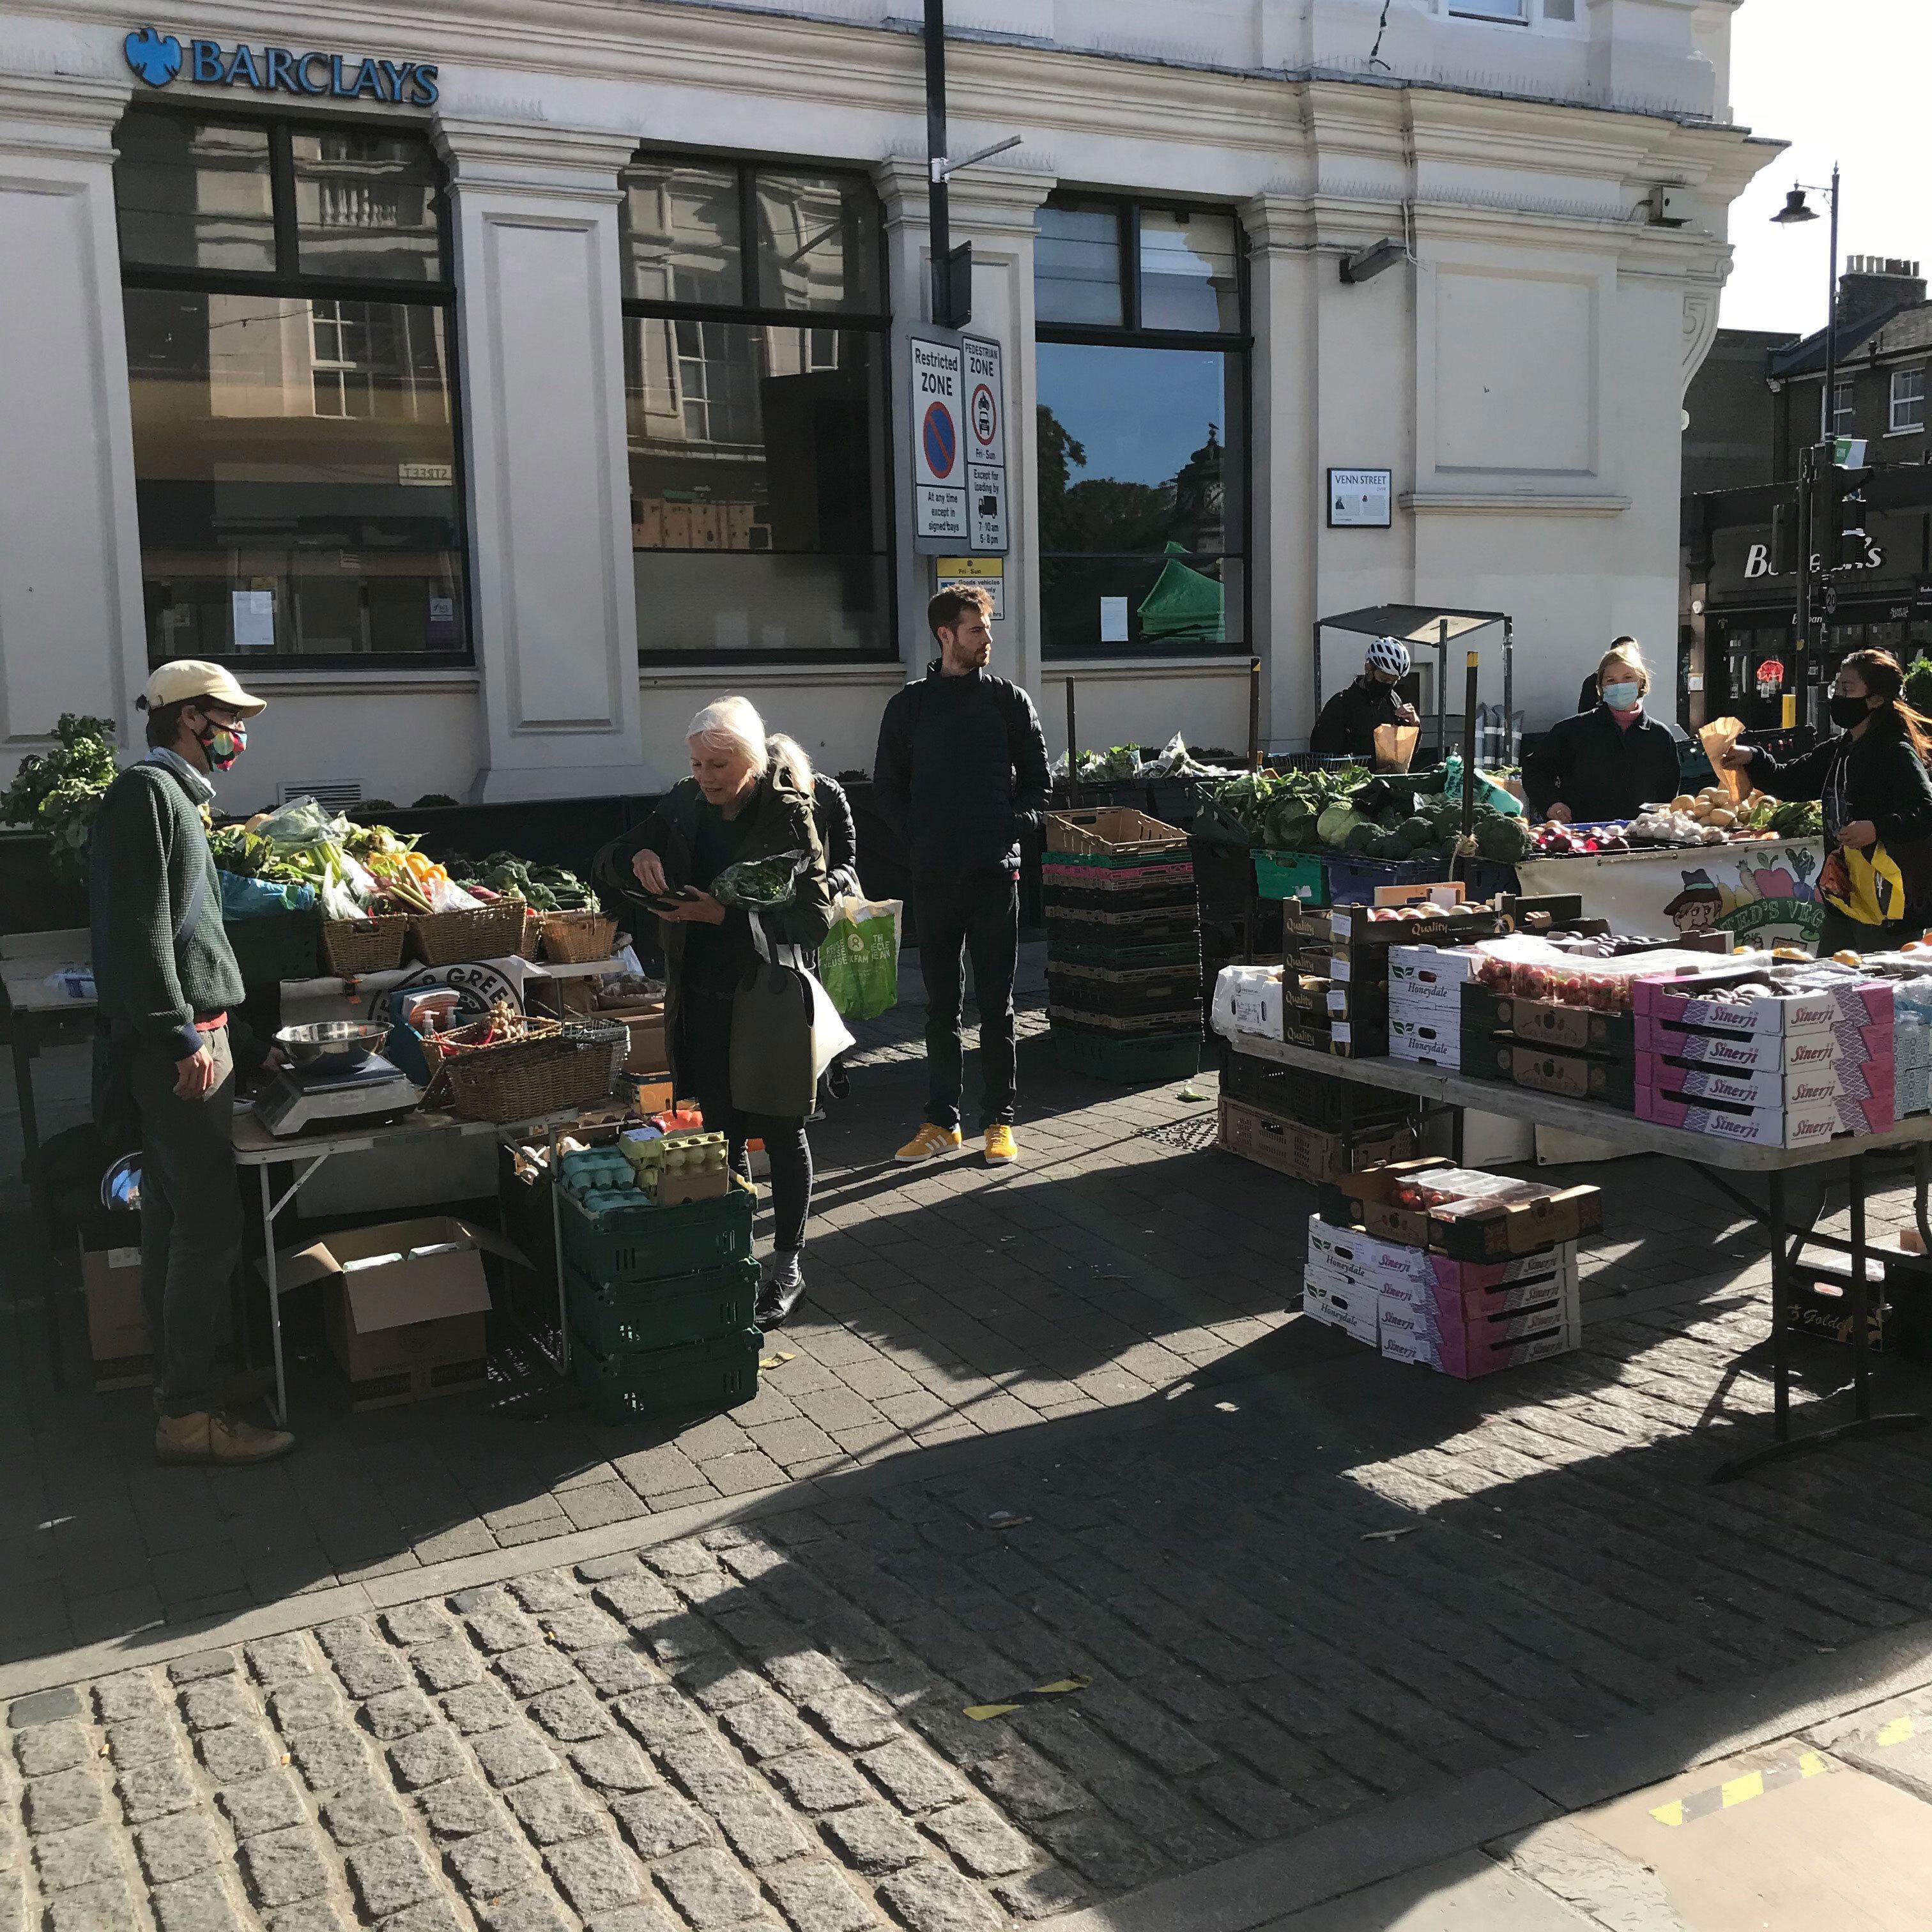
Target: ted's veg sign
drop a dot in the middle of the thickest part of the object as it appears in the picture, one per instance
(159, 59)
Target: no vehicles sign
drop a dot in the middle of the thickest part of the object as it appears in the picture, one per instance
(940, 496)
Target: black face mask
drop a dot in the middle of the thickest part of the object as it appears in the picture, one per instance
(1847, 712)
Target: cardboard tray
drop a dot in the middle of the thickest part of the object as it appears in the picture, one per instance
(1303, 1153)
(1367, 1200)
(1578, 1029)
(1550, 1069)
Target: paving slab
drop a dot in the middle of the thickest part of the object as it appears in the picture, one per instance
(1465, 1894)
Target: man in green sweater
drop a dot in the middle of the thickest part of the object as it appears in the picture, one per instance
(167, 981)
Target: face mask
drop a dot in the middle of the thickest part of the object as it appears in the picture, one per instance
(1623, 697)
(223, 744)
(1846, 712)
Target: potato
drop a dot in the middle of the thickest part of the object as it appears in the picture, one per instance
(1722, 818)
(1682, 802)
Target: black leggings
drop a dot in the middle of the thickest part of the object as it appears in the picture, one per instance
(704, 1070)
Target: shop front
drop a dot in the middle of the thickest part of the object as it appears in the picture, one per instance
(1749, 665)
(494, 405)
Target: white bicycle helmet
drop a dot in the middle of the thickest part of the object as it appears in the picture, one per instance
(1389, 656)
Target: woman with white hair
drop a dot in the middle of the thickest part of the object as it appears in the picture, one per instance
(749, 797)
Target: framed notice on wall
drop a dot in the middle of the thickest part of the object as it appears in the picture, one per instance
(1359, 499)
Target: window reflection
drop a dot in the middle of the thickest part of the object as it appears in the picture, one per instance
(366, 205)
(1076, 269)
(760, 522)
(1189, 278)
(298, 447)
(194, 194)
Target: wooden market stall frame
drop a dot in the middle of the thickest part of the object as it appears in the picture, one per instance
(1454, 1092)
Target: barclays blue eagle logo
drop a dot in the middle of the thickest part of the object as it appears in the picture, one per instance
(156, 58)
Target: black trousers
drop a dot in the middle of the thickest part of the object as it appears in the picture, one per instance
(704, 1070)
(977, 916)
(1843, 934)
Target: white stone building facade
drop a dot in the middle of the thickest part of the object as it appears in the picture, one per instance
(489, 434)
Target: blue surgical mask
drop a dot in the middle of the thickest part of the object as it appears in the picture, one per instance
(1623, 697)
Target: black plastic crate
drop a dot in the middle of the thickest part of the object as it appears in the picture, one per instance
(1084, 990)
(1314, 1099)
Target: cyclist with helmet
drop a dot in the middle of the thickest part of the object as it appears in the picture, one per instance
(1347, 726)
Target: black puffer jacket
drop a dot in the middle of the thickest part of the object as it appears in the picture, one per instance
(1877, 776)
(961, 771)
(1598, 770)
(837, 833)
(1346, 728)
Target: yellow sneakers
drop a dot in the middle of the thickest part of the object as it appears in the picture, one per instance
(931, 1139)
(999, 1143)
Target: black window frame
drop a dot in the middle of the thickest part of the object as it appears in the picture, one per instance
(753, 314)
(287, 279)
(1131, 334)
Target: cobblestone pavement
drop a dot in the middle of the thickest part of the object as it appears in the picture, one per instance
(1292, 1607)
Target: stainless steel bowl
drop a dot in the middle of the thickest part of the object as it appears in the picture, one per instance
(331, 1046)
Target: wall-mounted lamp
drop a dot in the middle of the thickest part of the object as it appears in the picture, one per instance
(1368, 263)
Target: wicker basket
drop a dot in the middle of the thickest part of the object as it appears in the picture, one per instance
(1110, 831)
(517, 1070)
(487, 932)
(350, 946)
(576, 938)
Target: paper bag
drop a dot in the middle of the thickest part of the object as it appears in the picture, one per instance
(1717, 738)
(1395, 746)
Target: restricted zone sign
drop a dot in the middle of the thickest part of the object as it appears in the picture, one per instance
(939, 483)
(986, 446)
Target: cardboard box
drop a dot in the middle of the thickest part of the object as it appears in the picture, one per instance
(1713, 999)
(1351, 929)
(1441, 1309)
(675, 1190)
(1912, 1093)
(1785, 1126)
(1483, 1230)
(1768, 1086)
(1821, 1302)
(1420, 974)
(1303, 1152)
(1545, 1022)
(1367, 1259)
(1477, 1356)
(1811, 1047)
(644, 1021)
(1549, 1070)
(1339, 1304)
(1248, 999)
(1455, 1332)
(1428, 1036)
(406, 1303)
(118, 1335)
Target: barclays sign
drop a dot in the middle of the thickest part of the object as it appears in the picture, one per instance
(159, 59)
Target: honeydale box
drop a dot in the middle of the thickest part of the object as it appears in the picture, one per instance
(406, 1304)
(1339, 1304)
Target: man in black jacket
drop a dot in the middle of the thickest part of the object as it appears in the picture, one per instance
(962, 772)
(1346, 728)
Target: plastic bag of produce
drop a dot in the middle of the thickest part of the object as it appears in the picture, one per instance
(761, 885)
(859, 962)
(300, 822)
(253, 898)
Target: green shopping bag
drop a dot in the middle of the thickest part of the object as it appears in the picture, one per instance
(859, 963)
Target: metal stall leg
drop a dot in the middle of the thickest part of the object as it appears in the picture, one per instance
(1855, 1183)
(1780, 1312)
(37, 1194)
(269, 1207)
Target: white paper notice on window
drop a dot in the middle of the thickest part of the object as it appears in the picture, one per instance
(1113, 620)
(254, 615)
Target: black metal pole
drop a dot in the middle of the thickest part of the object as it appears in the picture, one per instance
(1814, 693)
(1469, 748)
(1801, 669)
(938, 214)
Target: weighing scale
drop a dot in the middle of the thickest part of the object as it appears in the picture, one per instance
(296, 1102)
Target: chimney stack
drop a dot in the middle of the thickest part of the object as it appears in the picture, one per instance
(1875, 284)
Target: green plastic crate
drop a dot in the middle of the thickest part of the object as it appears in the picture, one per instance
(1131, 1059)
(646, 1244)
(667, 1314)
(703, 1376)
(1291, 875)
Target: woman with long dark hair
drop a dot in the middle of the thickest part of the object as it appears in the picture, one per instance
(1870, 783)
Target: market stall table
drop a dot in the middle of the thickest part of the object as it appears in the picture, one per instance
(255, 1146)
(1457, 1091)
(40, 1012)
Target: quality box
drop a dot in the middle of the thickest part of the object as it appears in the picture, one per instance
(1303, 1153)
(1477, 1230)
(406, 1307)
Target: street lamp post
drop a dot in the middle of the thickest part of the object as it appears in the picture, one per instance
(1796, 211)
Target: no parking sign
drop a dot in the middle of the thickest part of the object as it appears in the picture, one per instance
(939, 477)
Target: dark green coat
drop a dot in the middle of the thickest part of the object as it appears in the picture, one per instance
(782, 821)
